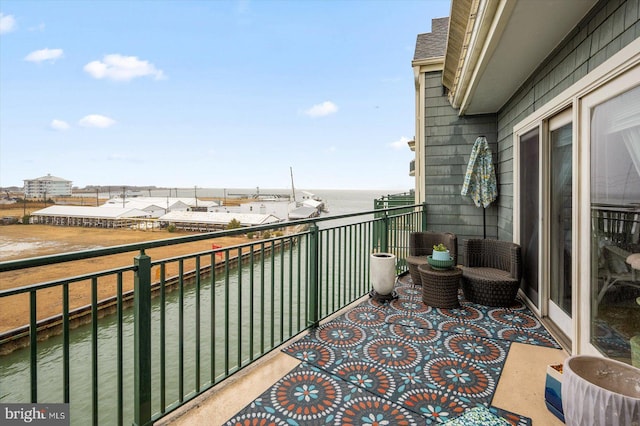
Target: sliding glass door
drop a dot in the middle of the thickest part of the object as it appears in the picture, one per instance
(559, 230)
(612, 120)
(530, 212)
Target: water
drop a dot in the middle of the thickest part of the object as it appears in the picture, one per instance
(339, 201)
(14, 376)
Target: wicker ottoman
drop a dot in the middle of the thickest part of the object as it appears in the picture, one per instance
(413, 262)
(440, 288)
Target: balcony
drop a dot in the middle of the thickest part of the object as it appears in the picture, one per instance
(206, 329)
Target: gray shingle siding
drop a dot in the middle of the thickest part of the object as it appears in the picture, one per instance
(448, 142)
(610, 26)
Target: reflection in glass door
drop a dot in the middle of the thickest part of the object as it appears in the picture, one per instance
(560, 221)
(615, 210)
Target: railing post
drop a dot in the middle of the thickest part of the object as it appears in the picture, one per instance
(384, 241)
(424, 217)
(142, 339)
(313, 275)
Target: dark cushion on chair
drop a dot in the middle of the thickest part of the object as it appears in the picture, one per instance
(492, 271)
(421, 243)
(487, 274)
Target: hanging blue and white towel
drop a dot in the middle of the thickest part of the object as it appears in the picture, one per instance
(480, 180)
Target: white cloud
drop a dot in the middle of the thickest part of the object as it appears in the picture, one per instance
(400, 144)
(321, 110)
(96, 120)
(7, 23)
(122, 68)
(59, 125)
(44, 55)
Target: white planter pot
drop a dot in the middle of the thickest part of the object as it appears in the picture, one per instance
(600, 391)
(383, 272)
(440, 255)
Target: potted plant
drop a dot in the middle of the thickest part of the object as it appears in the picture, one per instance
(383, 276)
(440, 252)
(599, 391)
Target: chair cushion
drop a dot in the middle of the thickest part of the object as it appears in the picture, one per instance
(417, 260)
(486, 274)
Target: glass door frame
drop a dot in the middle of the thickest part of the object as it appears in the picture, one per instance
(600, 80)
(560, 115)
(608, 90)
(553, 311)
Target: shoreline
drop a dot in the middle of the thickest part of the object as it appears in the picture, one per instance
(19, 337)
(14, 310)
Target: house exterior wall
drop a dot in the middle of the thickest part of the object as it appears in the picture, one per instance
(448, 143)
(610, 26)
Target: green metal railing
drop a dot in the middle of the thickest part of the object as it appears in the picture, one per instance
(200, 317)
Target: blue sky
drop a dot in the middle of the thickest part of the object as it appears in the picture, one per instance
(210, 93)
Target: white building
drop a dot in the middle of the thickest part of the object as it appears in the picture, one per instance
(208, 221)
(46, 186)
(99, 217)
(168, 204)
(154, 210)
(279, 209)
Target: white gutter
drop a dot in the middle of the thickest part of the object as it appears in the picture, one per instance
(487, 21)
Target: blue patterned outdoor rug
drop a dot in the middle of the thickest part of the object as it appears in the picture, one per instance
(516, 323)
(611, 341)
(310, 396)
(428, 371)
(402, 362)
(437, 374)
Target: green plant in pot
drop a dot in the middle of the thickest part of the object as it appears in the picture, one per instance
(635, 346)
(440, 252)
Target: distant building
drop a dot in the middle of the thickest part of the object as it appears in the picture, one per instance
(167, 204)
(211, 221)
(94, 217)
(46, 186)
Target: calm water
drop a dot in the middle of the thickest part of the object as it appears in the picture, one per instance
(337, 201)
(14, 375)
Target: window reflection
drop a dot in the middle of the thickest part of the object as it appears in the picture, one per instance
(615, 212)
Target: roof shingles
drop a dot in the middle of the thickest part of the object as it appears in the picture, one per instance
(433, 44)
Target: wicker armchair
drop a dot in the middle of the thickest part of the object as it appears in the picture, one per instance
(492, 271)
(421, 245)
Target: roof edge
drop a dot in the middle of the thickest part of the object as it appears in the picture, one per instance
(460, 11)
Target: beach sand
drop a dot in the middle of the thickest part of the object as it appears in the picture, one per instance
(24, 241)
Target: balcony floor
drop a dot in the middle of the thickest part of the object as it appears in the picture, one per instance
(514, 383)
